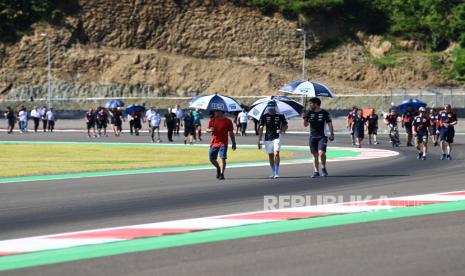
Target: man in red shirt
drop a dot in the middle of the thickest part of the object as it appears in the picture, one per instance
(220, 126)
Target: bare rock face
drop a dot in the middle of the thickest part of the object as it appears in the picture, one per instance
(170, 47)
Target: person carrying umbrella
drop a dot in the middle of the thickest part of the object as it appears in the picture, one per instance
(319, 120)
(275, 125)
(220, 127)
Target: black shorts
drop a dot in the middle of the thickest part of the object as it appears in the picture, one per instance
(11, 122)
(408, 128)
(189, 131)
(447, 134)
(372, 130)
(359, 133)
(317, 144)
(101, 125)
(422, 137)
(90, 125)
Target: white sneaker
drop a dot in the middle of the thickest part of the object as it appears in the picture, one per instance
(276, 176)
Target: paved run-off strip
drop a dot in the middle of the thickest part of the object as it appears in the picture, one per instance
(342, 154)
(58, 248)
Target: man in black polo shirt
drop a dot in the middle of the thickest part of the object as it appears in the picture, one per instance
(319, 121)
(275, 125)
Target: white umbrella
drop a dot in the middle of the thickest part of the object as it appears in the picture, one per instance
(285, 105)
(307, 88)
(215, 102)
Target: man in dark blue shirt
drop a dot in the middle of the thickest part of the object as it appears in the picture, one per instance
(319, 121)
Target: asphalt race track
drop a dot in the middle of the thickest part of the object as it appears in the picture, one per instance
(421, 245)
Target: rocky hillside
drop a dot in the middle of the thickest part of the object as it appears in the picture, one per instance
(114, 48)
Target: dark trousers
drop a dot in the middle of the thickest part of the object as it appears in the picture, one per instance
(131, 126)
(36, 123)
(51, 125)
(256, 127)
(44, 124)
(170, 133)
(178, 126)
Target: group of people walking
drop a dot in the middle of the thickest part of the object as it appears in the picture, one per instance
(437, 125)
(174, 119)
(271, 126)
(37, 115)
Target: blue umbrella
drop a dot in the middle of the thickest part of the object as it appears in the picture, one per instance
(416, 103)
(307, 88)
(135, 108)
(114, 104)
(215, 102)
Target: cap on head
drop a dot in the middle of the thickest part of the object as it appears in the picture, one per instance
(422, 109)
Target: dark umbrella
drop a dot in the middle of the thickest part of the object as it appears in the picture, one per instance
(416, 103)
(135, 108)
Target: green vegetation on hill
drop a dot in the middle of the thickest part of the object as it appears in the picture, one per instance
(434, 23)
(16, 16)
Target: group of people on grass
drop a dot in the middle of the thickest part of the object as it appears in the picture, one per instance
(37, 115)
(437, 125)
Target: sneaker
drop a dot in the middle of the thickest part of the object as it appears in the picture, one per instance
(316, 175)
(436, 144)
(324, 172)
(276, 176)
(218, 174)
(185, 142)
(443, 157)
(353, 143)
(153, 140)
(423, 157)
(420, 155)
(449, 157)
(376, 143)
(159, 141)
(409, 144)
(221, 177)
(359, 146)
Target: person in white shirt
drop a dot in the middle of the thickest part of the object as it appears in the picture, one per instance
(35, 115)
(43, 116)
(155, 120)
(179, 115)
(51, 118)
(243, 118)
(148, 113)
(23, 118)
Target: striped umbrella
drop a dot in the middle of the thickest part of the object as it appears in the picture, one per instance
(285, 105)
(215, 102)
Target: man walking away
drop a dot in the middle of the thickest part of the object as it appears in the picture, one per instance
(319, 120)
(11, 119)
(179, 115)
(422, 130)
(372, 125)
(447, 121)
(35, 115)
(220, 126)
(155, 120)
(198, 116)
(90, 122)
(407, 123)
(43, 116)
(189, 128)
(51, 119)
(170, 123)
(23, 118)
(275, 125)
(358, 125)
(243, 119)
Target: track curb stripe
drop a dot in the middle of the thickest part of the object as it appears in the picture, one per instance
(177, 227)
